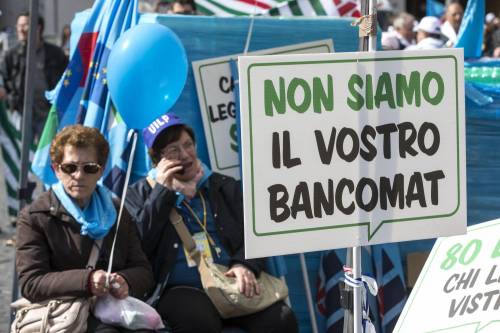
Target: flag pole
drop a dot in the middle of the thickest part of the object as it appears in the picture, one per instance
(367, 43)
(28, 104)
(24, 192)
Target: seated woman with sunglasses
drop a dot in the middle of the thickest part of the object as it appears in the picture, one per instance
(56, 233)
(212, 208)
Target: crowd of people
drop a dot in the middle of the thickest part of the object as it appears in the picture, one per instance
(406, 33)
(50, 62)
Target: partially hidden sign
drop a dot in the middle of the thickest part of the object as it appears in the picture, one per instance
(350, 149)
(458, 288)
(215, 89)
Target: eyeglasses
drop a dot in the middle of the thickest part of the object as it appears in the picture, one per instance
(174, 152)
(88, 168)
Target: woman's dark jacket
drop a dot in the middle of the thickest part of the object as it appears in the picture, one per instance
(51, 255)
(150, 208)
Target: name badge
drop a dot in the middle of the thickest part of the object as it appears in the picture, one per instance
(203, 246)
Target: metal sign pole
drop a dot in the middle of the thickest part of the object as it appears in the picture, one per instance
(357, 292)
(368, 42)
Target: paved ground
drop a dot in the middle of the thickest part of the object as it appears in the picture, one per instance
(6, 273)
(6, 258)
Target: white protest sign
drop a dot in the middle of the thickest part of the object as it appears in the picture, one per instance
(214, 86)
(458, 289)
(351, 149)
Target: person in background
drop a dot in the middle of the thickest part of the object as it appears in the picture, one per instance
(65, 39)
(211, 205)
(179, 7)
(453, 18)
(428, 34)
(50, 63)
(491, 35)
(183, 7)
(404, 26)
(4, 45)
(495, 45)
(146, 7)
(401, 34)
(55, 234)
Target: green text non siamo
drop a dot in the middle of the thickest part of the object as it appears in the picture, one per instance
(394, 91)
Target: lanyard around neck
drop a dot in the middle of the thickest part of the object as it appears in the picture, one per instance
(204, 224)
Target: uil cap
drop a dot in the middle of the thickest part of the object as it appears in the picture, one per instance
(150, 133)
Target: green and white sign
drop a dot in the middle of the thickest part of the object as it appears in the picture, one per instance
(215, 89)
(458, 290)
(351, 149)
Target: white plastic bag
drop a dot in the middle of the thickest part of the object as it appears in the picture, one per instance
(129, 312)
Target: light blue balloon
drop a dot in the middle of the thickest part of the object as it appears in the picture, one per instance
(147, 70)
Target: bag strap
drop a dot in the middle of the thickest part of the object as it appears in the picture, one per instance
(185, 235)
(44, 327)
(94, 254)
(182, 230)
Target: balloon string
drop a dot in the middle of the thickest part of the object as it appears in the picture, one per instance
(132, 133)
(250, 28)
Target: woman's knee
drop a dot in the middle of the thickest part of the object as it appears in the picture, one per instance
(288, 322)
(189, 310)
(278, 318)
(193, 322)
(283, 319)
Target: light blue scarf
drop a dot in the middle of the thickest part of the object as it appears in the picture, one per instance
(180, 197)
(97, 217)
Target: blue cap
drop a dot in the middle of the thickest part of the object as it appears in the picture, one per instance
(158, 125)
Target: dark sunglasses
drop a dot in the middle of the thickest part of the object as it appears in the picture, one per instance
(70, 168)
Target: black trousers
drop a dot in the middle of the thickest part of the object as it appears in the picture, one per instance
(94, 325)
(189, 310)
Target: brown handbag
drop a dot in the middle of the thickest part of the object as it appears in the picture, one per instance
(61, 315)
(222, 290)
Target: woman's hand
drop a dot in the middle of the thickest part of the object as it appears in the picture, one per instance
(247, 283)
(166, 171)
(98, 283)
(118, 286)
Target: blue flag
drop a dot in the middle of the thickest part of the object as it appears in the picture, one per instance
(330, 274)
(434, 8)
(470, 35)
(82, 96)
(391, 283)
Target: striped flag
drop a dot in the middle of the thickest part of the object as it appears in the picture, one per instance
(337, 8)
(81, 95)
(226, 8)
(348, 8)
(10, 145)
